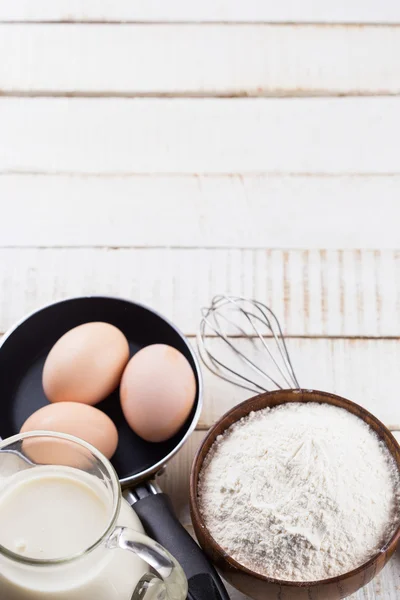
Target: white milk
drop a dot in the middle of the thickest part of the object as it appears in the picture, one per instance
(55, 512)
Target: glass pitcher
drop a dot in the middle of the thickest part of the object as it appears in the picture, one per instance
(37, 470)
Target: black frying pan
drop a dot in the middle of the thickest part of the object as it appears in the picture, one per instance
(23, 351)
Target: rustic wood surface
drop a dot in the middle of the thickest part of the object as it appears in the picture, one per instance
(134, 163)
(240, 60)
(253, 11)
(200, 135)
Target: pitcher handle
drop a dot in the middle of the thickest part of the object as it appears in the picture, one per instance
(171, 579)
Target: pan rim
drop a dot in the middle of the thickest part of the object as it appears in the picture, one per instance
(151, 471)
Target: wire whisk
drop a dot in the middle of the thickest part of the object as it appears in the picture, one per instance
(229, 318)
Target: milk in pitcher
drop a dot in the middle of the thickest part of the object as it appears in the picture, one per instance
(57, 514)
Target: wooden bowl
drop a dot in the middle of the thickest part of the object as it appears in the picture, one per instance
(259, 586)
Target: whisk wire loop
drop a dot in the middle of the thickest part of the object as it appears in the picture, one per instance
(250, 319)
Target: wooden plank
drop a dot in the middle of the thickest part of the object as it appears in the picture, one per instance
(199, 60)
(369, 11)
(258, 211)
(363, 370)
(258, 135)
(175, 480)
(314, 293)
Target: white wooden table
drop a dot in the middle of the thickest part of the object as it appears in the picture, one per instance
(168, 151)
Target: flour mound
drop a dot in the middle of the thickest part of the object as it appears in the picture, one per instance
(300, 492)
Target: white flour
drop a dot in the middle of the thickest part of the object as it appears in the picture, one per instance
(300, 492)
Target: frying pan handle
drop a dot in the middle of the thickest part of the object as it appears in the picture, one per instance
(156, 514)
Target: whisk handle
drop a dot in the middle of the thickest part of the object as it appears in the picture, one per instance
(160, 522)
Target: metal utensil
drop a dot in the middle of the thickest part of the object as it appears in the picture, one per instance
(229, 317)
(266, 365)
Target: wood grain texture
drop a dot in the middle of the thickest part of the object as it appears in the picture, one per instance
(314, 293)
(273, 211)
(361, 370)
(200, 60)
(175, 480)
(258, 135)
(368, 11)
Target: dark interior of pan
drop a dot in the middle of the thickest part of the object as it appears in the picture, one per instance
(24, 351)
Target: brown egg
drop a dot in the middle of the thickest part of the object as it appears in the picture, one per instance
(85, 364)
(83, 421)
(158, 389)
